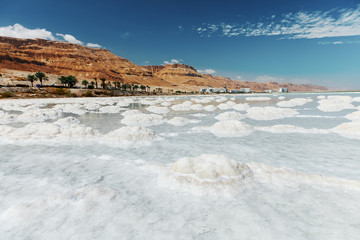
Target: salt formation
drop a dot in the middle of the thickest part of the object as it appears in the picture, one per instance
(227, 105)
(281, 98)
(230, 116)
(207, 174)
(270, 113)
(6, 118)
(210, 108)
(180, 121)
(197, 107)
(166, 104)
(354, 116)
(92, 106)
(335, 103)
(142, 119)
(230, 128)
(221, 99)
(241, 107)
(321, 97)
(294, 102)
(203, 99)
(348, 130)
(131, 134)
(71, 108)
(39, 115)
(69, 128)
(257, 99)
(158, 110)
(185, 106)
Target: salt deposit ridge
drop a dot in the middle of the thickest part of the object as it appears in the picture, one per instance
(282, 166)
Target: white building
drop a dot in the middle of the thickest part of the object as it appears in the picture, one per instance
(235, 91)
(245, 90)
(283, 90)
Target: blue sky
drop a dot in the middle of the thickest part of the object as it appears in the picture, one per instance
(298, 41)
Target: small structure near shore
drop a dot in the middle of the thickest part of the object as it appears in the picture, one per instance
(283, 90)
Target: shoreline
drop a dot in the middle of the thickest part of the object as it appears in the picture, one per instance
(56, 92)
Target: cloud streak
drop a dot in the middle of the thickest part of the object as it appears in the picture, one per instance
(19, 31)
(300, 25)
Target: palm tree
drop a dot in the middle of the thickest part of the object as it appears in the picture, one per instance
(85, 83)
(135, 87)
(142, 87)
(63, 80)
(71, 81)
(41, 76)
(103, 82)
(96, 85)
(31, 78)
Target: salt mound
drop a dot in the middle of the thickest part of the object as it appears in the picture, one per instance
(270, 113)
(5, 130)
(197, 107)
(335, 104)
(185, 106)
(231, 128)
(203, 99)
(294, 102)
(354, 116)
(142, 119)
(158, 110)
(39, 115)
(285, 128)
(71, 108)
(68, 128)
(92, 106)
(321, 97)
(281, 98)
(227, 105)
(230, 116)
(210, 108)
(180, 121)
(241, 107)
(131, 134)
(348, 130)
(166, 104)
(356, 99)
(257, 99)
(221, 99)
(6, 118)
(206, 174)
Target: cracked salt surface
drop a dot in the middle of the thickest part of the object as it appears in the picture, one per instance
(199, 167)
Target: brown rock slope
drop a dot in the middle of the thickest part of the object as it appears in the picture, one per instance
(62, 58)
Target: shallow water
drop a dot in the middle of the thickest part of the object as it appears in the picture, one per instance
(80, 180)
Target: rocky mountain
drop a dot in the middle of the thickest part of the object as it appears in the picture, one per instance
(60, 58)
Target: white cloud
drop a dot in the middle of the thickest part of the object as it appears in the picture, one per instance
(173, 61)
(69, 38)
(19, 31)
(240, 78)
(316, 24)
(93, 45)
(207, 71)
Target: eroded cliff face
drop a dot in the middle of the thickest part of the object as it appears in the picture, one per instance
(71, 59)
(61, 58)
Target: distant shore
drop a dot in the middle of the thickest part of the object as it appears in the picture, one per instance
(58, 92)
